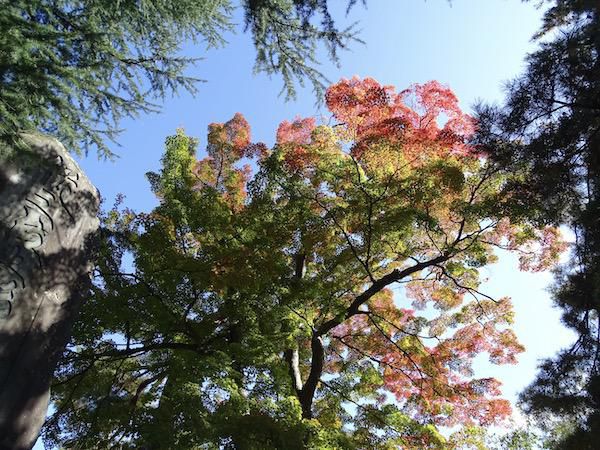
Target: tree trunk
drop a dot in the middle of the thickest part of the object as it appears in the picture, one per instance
(48, 218)
(307, 394)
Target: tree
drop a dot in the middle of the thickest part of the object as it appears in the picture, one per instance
(73, 69)
(258, 311)
(549, 130)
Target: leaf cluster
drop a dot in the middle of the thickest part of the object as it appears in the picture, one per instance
(548, 131)
(254, 308)
(74, 69)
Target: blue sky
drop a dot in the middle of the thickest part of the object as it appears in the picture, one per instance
(471, 45)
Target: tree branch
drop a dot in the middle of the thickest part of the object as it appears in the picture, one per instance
(377, 286)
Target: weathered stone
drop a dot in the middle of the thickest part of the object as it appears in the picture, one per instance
(48, 219)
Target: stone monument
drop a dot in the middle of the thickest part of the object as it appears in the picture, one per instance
(48, 221)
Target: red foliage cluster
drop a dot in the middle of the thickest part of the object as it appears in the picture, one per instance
(231, 138)
(295, 137)
(535, 255)
(296, 132)
(432, 379)
(228, 143)
(423, 117)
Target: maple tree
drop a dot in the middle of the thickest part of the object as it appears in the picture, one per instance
(324, 293)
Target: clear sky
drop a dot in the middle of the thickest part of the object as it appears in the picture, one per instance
(471, 45)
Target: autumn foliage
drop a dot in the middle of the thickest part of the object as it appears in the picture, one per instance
(328, 289)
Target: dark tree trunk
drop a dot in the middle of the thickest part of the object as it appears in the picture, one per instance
(48, 218)
(307, 394)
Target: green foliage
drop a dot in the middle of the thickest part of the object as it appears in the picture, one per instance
(253, 308)
(286, 39)
(74, 69)
(518, 440)
(549, 131)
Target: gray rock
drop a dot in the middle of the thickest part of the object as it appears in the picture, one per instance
(48, 222)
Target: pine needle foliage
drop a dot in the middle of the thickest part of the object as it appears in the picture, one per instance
(550, 128)
(74, 68)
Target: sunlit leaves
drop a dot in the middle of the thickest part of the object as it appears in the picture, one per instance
(75, 69)
(279, 298)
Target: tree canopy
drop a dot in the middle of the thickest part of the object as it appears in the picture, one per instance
(324, 293)
(74, 68)
(549, 130)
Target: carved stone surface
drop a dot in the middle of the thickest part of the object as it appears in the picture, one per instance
(48, 219)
